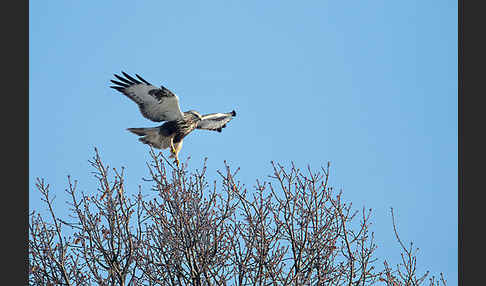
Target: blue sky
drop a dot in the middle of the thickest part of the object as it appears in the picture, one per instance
(370, 86)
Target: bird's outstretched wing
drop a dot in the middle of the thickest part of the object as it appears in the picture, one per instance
(156, 104)
(215, 121)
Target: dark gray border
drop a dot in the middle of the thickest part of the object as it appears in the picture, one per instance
(471, 144)
(15, 146)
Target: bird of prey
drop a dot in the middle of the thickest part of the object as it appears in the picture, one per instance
(160, 104)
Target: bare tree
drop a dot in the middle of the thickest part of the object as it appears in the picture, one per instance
(406, 271)
(292, 229)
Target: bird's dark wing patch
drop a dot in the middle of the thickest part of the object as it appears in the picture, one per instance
(156, 104)
(160, 93)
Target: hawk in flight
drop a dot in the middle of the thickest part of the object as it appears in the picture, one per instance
(160, 104)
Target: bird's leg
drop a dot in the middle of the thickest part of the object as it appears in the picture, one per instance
(172, 149)
(177, 147)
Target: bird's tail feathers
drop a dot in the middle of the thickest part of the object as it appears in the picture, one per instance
(152, 137)
(143, 131)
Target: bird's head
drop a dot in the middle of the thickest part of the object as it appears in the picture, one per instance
(195, 114)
